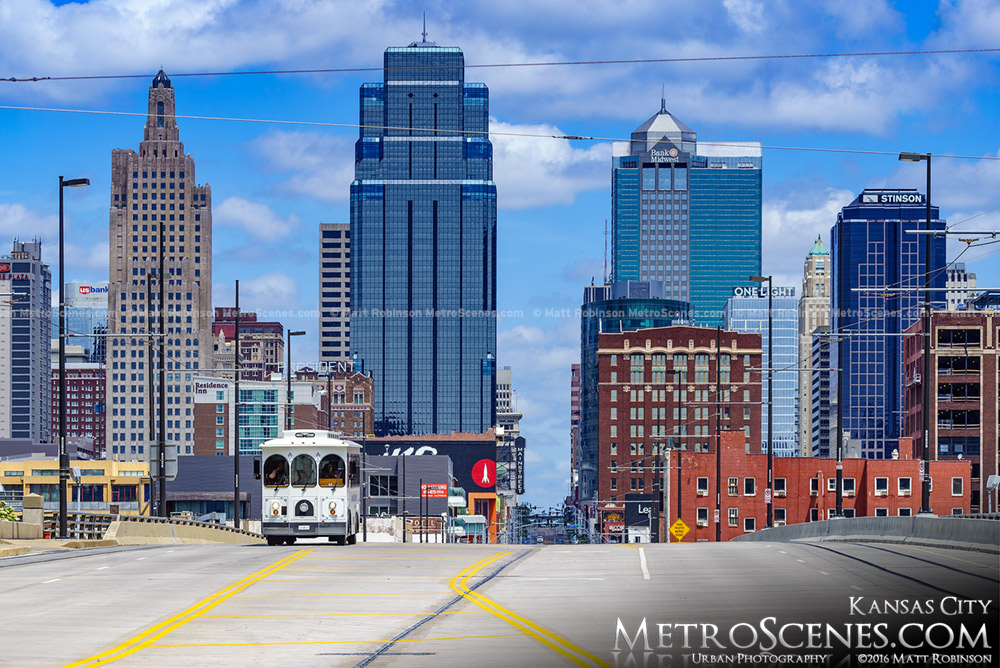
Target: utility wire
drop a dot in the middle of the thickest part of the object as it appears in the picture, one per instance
(535, 135)
(563, 63)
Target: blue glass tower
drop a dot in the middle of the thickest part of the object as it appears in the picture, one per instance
(686, 215)
(871, 249)
(423, 236)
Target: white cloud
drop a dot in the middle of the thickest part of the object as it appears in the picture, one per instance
(91, 261)
(748, 15)
(790, 228)
(256, 219)
(968, 24)
(543, 172)
(17, 220)
(320, 166)
(268, 294)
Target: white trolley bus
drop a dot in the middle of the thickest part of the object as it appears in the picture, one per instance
(311, 487)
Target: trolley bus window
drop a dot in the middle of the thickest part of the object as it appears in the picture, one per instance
(276, 471)
(331, 471)
(303, 471)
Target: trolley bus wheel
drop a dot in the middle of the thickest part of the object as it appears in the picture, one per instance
(290, 540)
(273, 540)
(352, 539)
(340, 540)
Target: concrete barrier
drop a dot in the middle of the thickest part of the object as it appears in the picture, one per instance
(152, 531)
(949, 532)
(20, 530)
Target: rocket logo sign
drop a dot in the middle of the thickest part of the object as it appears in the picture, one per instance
(84, 289)
(484, 473)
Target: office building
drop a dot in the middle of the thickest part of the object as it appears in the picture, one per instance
(25, 307)
(510, 450)
(574, 433)
(85, 387)
(348, 399)
(747, 311)
(878, 281)
(686, 215)
(822, 400)
(262, 345)
(86, 318)
(334, 292)
(961, 287)
(624, 306)
(423, 245)
(159, 215)
(964, 381)
(814, 311)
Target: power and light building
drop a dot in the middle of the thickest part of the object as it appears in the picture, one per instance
(686, 215)
(878, 282)
(25, 307)
(747, 311)
(814, 312)
(157, 211)
(423, 245)
(334, 292)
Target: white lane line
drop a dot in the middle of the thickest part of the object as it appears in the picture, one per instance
(642, 563)
(856, 587)
(53, 580)
(823, 573)
(103, 567)
(801, 561)
(140, 558)
(782, 552)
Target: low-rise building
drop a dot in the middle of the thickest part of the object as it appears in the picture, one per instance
(105, 486)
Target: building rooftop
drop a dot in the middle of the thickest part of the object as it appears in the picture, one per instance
(819, 248)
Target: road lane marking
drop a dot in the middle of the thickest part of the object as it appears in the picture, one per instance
(577, 655)
(394, 593)
(823, 573)
(352, 614)
(151, 635)
(642, 563)
(103, 567)
(52, 580)
(801, 561)
(856, 587)
(336, 642)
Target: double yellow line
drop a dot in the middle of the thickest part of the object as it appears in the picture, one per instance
(576, 654)
(148, 637)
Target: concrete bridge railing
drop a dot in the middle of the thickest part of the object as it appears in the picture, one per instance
(959, 533)
(136, 530)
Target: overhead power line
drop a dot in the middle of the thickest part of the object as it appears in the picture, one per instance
(495, 133)
(554, 63)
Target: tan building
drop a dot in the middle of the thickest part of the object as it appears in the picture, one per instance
(105, 486)
(349, 399)
(159, 214)
(814, 311)
(262, 345)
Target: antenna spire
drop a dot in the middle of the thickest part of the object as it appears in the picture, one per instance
(425, 27)
(663, 98)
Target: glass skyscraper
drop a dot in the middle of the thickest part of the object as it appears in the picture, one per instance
(686, 215)
(423, 245)
(871, 249)
(749, 314)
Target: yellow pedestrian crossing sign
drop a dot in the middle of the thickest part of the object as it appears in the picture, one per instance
(679, 529)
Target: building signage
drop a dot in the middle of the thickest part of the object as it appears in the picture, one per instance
(669, 155)
(4, 268)
(14, 277)
(467, 457)
(203, 388)
(519, 464)
(434, 491)
(892, 198)
(758, 291)
(93, 289)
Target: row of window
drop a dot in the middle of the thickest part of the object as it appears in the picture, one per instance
(780, 516)
(904, 486)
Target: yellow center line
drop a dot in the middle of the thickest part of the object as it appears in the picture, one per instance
(577, 655)
(335, 642)
(151, 635)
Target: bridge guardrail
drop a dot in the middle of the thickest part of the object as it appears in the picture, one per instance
(95, 526)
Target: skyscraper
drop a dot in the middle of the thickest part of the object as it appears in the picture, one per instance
(423, 245)
(686, 215)
(814, 311)
(878, 280)
(158, 212)
(334, 292)
(86, 315)
(25, 305)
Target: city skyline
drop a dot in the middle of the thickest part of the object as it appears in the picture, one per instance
(274, 184)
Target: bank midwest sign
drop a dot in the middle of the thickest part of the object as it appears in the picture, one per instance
(757, 291)
(664, 155)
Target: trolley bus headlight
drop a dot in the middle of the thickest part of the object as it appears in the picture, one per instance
(275, 507)
(333, 507)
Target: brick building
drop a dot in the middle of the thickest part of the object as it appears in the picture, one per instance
(85, 385)
(262, 345)
(804, 488)
(964, 383)
(670, 387)
(347, 403)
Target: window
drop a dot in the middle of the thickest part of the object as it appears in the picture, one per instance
(779, 516)
(956, 487)
(749, 524)
(749, 487)
(614, 483)
(733, 486)
(276, 471)
(702, 486)
(813, 486)
(903, 486)
(637, 369)
(904, 512)
(881, 486)
(303, 471)
(780, 487)
(734, 517)
(378, 485)
(831, 484)
(220, 408)
(881, 512)
(702, 517)
(614, 395)
(331, 471)
(219, 419)
(813, 514)
(957, 511)
(849, 486)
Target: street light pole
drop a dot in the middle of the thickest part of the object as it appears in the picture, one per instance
(288, 370)
(238, 370)
(925, 488)
(63, 455)
(769, 492)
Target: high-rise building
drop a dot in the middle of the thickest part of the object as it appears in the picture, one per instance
(685, 214)
(822, 401)
(25, 307)
(510, 461)
(85, 386)
(334, 292)
(961, 286)
(814, 311)
(423, 245)
(747, 311)
(262, 345)
(86, 316)
(574, 432)
(159, 217)
(878, 282)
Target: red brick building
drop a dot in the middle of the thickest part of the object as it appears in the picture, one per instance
(964, 383)
(670, 386)
(262, 344)
(348, 403)
(84, 403)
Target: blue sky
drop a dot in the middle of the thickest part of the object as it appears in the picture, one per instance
(272, 184)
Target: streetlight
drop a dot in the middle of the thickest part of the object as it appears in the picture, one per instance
(768, 493)
(288, 369)
(63, 457)
(925, 506)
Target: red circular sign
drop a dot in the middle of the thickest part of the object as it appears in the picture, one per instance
(484, 473)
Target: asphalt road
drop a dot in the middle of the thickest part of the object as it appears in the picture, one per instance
(483, 606)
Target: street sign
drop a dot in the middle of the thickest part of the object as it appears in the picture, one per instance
(920, 467)
(434, 491)
(171, 461)
(679, 529)
(716, 513)
(767, 495)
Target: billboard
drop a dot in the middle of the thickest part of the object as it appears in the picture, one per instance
(474, 461)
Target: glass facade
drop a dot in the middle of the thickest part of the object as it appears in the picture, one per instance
(259, 417)
(423, 245)
(871, 249)
(749, 315)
